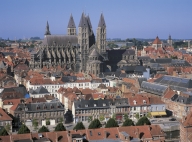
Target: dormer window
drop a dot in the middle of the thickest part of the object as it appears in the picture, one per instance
(52, 107)
(38, 107)
(95, 105)
(86, 105)
(104, 104)
(134, 102)
(26, 108)
(58, 106)
(45, 107)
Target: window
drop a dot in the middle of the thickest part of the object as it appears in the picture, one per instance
(95, 105)
(86, 105)
(99, 134)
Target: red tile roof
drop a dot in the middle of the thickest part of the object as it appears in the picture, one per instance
(157, 41)
(4, 116)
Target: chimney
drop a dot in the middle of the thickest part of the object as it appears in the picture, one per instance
(69, 133)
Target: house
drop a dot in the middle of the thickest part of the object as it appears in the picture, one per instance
(52, 111)
(5, 119)
(186, 128)
(158, 107)
(152, 133)
(139, 105)
(83, 109)
(39, 92)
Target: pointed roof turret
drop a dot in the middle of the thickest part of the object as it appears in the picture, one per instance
(71, 23)
(102, 21)
(169, 37)
(94, 53)
(157, 41)
(83, 22)
(47, 32)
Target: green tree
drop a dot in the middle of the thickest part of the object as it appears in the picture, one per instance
(47, 122)
(8, 127)
(111, 123)
(149, 114)
(60, 127)
(125, 116)
(3, 132)
(23, 129)
(79, 126)
(128, 122)
(95, 124)
(143, 121)
(90, 118)
(35, 124)
(101, 117)
(43, 129)
(114, 116)
(137, 115)
(61, 120)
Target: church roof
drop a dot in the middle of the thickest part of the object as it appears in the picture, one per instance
(60, 39)
(129, 52)
(157, 41)
(101, 21)
(94, 53)
(71, 23)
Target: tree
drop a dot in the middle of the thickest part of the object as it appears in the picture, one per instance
(111, 123)
(61, 120)
(79, 126)
(47, 122)
(90, 118)
(3, 132)
(95, 124)
(114, 116)
(101, 117)
(60, 127)
(8, 127)
(125, 116)
(23, 129)
(128, 122)
(143, 121)
(149, 114)
(35, 124)
(43, 129)
(137, 115)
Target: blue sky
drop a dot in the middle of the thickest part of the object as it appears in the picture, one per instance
(124, 18)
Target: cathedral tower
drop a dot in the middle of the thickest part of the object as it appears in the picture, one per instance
(169, 41)
(101, 35)
(47, 32)
(85, 39)
(71, 28)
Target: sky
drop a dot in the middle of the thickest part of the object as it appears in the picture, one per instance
(124, 18)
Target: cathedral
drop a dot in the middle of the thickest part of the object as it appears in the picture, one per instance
(80, 51)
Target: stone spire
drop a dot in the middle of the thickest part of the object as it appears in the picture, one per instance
(83, 22)
(47, 32)
(102, 21)
(169, 37)
(71, 23)
(71, 28)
